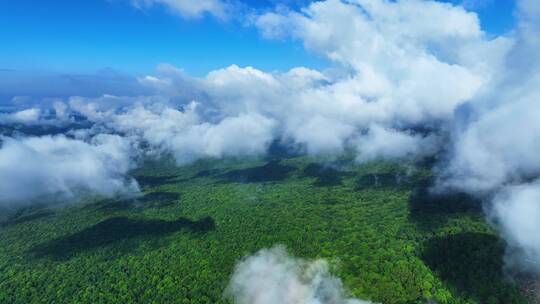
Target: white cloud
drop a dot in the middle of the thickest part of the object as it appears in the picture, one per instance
(517, 210)
(56, 168)
(320, 135)
(27, 116)
(190, 8)
(60, 110)
(394, 70)
(325, 112)
(393, 144)
(272, 276)
(188, 137)
(497, 147)
(399, 55)
(497, 134)
(496, 139)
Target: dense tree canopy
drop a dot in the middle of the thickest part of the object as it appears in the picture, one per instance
(385, 236)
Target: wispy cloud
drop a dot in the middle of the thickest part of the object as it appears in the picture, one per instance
(191, 8)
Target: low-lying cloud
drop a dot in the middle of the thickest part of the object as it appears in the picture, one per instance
(407, 79)
(516, 209)
(58, 168)
(272, 276)
(495, 139)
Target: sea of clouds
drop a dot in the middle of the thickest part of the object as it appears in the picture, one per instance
(396, 67)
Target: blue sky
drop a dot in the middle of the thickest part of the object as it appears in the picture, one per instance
(67, 36)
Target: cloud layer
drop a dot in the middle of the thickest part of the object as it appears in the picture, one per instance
(516, 209)
(495, 142)
(57, 167)
(409, 78)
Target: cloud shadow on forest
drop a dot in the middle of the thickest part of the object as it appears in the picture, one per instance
(273, 171)
(147, 181)
(326, 176)
(160, 199)
(208, 173)
(470, 263)
(157, 199)
(24, 216)
(117, 230)
(431, 210)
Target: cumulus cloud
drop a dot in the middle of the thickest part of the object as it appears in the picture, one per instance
(27, 116)
(272, 276)
(393, 144)
(363, 103)
(403, 63)
(57, 167)
(516, 209)
(181, 130)
(187, 136)
(324, 112)
(497, 147)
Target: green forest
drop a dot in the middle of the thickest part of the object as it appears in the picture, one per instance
(387, 237)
